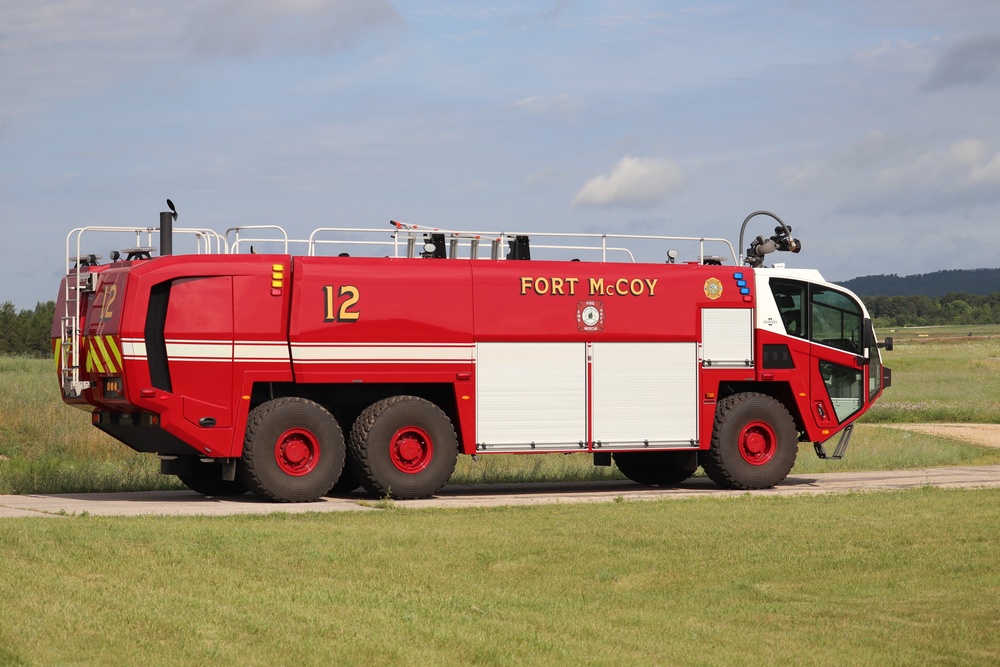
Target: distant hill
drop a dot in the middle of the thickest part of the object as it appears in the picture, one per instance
(938, 283)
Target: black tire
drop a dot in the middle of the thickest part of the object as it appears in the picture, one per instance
(293, 451)
(754, 443)
(347, 483)
(206, 479)
(656, 468)
(403, 447)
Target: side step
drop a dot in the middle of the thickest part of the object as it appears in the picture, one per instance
(838, 453)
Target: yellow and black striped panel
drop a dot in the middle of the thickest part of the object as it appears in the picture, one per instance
(103, 355)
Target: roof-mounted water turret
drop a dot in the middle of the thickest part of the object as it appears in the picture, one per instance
(760, 246)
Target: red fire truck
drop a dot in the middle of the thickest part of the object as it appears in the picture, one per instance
(374, 357)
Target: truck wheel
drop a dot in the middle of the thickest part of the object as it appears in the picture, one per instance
(293, 451)
(206, 479)
(655, 468)
(404, 447)
(754, 443)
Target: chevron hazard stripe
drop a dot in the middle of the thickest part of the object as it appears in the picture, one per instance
(103, 355)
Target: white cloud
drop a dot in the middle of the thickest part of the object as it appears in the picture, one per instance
(543, 178)
(58, 49)
(895, 56)
(561, 104)
(988, 173)
(53, 49)
(246, 27)
(882, 173)
(634, 182)
(967, 152)
(956, 167)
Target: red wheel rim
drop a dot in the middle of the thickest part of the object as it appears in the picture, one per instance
(411, 449)
(757, 443)
(297, 452)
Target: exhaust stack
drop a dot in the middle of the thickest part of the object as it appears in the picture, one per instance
(167, 229)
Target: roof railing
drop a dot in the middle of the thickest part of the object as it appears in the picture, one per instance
(405, 240)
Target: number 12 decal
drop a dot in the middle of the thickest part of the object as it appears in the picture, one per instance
(341, 307)
(110, 294)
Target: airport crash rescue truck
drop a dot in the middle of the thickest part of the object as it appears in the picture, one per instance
(375, 357)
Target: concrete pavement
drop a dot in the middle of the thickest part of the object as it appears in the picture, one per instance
(187, 503)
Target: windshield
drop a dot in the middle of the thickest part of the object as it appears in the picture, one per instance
(836, 320)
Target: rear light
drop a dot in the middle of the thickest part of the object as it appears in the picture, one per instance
(113, 388)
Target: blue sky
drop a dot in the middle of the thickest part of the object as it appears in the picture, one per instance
(870, 127)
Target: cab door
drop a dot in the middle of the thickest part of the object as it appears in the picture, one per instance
(833, 323)
(837, 373)
(198, 334)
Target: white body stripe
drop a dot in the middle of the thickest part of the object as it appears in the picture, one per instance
(414, 353)
(199, 351)
(260, 351)
(133, 348)
(306, 353)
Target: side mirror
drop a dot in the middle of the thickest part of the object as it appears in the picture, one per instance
(868, 337)
(887, 344)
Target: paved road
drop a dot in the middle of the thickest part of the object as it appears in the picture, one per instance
(177, 503)
(984, 435)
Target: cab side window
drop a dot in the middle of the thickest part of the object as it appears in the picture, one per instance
(790, 298)
(836, 320)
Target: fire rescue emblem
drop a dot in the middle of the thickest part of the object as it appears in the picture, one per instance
(713, 288)
(590, 316)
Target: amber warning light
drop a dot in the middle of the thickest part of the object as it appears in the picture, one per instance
(113, 388)
(277, 279)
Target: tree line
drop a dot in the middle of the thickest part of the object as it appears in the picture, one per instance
(957, 308)
(26, 332)
(936, 284)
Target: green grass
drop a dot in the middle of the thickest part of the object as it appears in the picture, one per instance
(942, 380)
(47, 446)
(895, 578)
(926, 334)
(878, 448)
(496, 469)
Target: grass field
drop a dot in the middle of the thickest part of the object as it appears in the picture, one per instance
(885, 579)
(940, 374)
(856, 579)
(47, 446)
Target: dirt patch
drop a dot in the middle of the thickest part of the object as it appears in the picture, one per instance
(985, 435)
